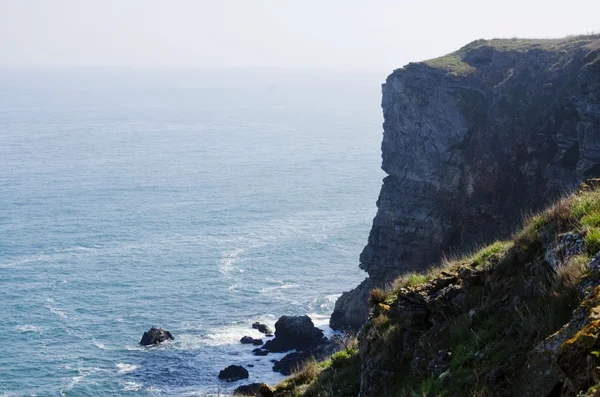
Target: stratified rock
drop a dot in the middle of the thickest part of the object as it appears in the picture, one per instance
(471, 141)
(233, 373)
(294, 332)
(262, 328)
(154, 336)
(247, 390)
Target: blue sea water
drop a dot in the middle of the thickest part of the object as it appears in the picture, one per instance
(197, 201)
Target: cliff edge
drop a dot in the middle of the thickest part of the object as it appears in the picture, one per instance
(471, 142)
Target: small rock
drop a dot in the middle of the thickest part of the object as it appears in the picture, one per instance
(154, 336)
(233, 373)
(260, 352)
(250, 340)
(263, 328)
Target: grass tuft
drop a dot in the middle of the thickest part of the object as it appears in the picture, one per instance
(592, 241)
(377, 296)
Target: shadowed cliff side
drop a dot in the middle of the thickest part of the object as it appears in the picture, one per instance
(471, 141)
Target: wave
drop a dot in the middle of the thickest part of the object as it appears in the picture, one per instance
(30, 328)
(99, 345)
(279, 287)
(56, 311)
(131, 386)
(228, 259)
(83, 373)
(124, 368)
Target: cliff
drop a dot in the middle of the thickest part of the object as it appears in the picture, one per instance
(471, 142)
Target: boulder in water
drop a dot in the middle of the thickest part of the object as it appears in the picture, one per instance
(291, 362)
(264, 328)
(294, 332)
(251, 340)
(233, 373)
(154, 336)
(260, 352)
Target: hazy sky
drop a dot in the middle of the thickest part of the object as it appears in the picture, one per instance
(370, 35)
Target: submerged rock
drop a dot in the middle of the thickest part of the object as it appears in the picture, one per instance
(154, 336)
(233, 373)
(294, 332)
(263, 328)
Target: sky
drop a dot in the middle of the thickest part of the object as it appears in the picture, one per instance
(341, 35)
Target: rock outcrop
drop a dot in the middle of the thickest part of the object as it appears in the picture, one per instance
(154, 336)
(471, 142)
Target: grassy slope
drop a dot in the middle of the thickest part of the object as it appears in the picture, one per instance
(498, 336)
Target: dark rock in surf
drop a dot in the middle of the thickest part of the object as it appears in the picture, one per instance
(154, 336)
(233, 373)
(263, 328)
(250, 340)
(295, 333)
(291, 362)
(260, 352)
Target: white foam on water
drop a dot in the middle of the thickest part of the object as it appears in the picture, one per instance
(56, 311)
(135, 348)
(322, 322)
(132, 386)
(228, 259)
(279, 287)
(124, 368)
(83, 373)
(99, 345)
(29, 328)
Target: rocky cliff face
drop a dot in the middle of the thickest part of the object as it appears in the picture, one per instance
(471, 142)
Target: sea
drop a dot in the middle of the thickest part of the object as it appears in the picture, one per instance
(199, 201)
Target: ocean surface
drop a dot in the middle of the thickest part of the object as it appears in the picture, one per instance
(197, 201)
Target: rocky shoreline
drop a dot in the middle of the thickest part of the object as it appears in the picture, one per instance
(295, 335)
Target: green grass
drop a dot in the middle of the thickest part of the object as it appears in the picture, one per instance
(454, 63)
(592, 241)
(499, 248)
(591, 220)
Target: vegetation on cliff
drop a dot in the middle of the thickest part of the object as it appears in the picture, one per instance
(518, 317)
(457, 63)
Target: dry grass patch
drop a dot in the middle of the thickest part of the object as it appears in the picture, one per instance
(377, 296)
